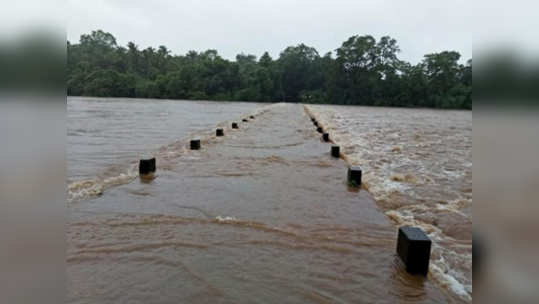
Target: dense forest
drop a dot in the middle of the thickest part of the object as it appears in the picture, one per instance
(363, 71)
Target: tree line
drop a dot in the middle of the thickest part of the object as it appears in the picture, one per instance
(363, 71)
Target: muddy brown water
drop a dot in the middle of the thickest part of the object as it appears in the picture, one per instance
(262, 215)
(418, 167)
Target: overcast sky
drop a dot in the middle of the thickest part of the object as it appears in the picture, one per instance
(255, 26)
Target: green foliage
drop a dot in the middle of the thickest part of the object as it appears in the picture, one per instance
(364, 72)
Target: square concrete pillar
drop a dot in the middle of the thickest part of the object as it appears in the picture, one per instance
(413, 247)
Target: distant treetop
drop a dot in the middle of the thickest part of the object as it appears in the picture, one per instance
(364, 72)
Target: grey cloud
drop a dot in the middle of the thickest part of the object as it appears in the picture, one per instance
(253, 27)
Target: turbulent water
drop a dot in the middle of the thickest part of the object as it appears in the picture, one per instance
(417, 164)
(264, 214)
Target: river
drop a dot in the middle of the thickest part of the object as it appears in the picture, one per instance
(261, 215)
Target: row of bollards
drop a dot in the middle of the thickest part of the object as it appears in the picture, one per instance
(354, 173)
(147, 167)
(335, 150)
(219, 132)
(413, 245)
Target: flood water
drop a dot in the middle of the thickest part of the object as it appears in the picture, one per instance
(262, 215)
(106, 137)
(418, 167)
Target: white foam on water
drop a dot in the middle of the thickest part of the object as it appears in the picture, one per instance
(455, 206)
(450, 282)
(80, 190)
(438, 268)
(225, 219)
(411, 159)
(90, 188)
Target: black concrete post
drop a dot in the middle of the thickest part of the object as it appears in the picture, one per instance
(325, 137)
(354, 175)
(219, 132)
(195, 144)
(413, 247)
(146, 166)
(335, 151)
(234, 125)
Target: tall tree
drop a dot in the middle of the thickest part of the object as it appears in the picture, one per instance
(364, 71)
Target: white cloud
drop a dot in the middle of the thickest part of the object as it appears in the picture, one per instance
(249, 26)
